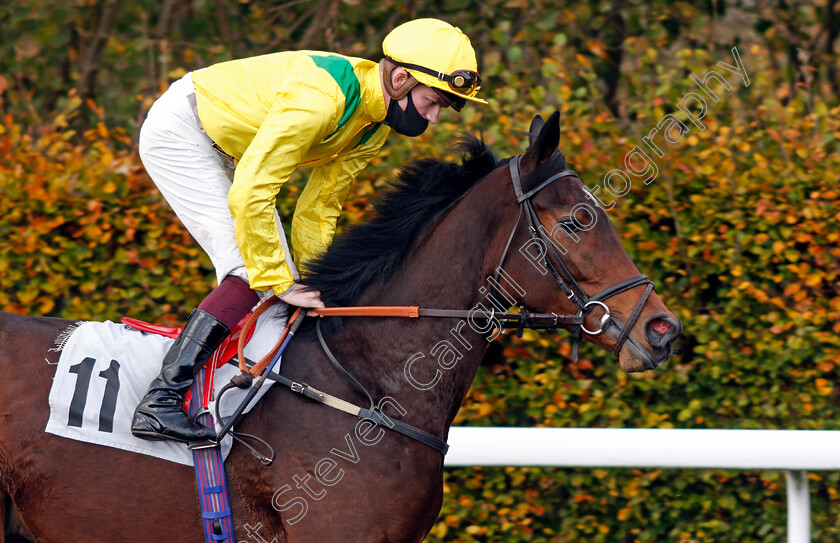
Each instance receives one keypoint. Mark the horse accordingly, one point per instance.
(448, 235)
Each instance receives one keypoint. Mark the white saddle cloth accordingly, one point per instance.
(105, 369)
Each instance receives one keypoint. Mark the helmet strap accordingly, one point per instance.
(386, 66)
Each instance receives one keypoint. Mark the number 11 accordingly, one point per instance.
(84, 369)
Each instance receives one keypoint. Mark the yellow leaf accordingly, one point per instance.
(814, 280)
(792, 289)
(47, 305)
(27, 296)
(824, 386)
(177, 73)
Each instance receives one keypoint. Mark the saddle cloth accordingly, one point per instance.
(105, 369)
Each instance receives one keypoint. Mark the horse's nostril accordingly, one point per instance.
(661, 330)
(661, 326)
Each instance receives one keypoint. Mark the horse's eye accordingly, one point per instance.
(571, 226)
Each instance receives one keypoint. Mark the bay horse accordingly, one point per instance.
(442, 235)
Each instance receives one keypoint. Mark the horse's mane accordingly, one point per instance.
(367, 254)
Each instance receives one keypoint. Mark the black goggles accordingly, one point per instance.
(452, 100)
(461, 81)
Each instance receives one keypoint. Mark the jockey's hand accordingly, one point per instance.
(299, 296)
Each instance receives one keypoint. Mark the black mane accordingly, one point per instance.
(368, 253)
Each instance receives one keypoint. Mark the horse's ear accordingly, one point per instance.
(544, 137)
(534, 131)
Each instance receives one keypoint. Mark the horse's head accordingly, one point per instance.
(567, 258)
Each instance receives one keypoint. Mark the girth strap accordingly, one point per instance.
(210, 475)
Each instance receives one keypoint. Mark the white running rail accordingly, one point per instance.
(793, 451)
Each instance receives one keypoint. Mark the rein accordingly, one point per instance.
(520, 321)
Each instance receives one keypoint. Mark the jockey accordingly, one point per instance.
(220, 143)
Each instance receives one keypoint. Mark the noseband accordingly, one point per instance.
(562, 276)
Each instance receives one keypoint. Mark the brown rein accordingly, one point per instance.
(258, 368)
(520, 321)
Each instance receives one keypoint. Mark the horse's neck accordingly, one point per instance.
(427, 365)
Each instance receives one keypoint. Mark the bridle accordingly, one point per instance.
(520, 321)
(576, 323)
(561, 273)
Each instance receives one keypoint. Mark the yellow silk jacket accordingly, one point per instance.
(275, 112)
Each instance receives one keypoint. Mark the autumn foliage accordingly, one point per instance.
(738, 230)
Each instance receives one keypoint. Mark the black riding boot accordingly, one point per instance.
(160, 414)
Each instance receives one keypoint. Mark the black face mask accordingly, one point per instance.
(409, 122)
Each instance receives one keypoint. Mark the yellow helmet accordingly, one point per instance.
(437, 54)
